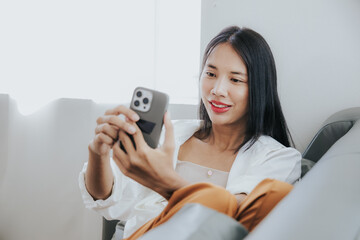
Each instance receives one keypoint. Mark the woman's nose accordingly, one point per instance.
(220, 88)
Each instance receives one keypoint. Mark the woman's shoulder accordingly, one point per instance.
(268, 144)
(183, 129)
(185, 123)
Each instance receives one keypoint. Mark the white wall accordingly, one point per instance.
(98, 50)
(316, 45)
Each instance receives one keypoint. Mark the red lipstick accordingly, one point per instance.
(220, 107)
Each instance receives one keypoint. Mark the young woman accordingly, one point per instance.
(240, 141)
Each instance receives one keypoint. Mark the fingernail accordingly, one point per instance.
(131, 129)
(135, 117)
(168, 115)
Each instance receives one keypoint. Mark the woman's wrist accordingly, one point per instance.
(175, 182)
(99, 177)
(94, 156)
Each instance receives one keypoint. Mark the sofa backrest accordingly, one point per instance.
(333, 129)
(325, 204)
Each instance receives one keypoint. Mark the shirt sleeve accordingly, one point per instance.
(125, 194)
(282, 164)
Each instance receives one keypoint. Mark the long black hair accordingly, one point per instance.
(265, 116)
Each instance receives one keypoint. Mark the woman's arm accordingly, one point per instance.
(268, 161)
(99, 178)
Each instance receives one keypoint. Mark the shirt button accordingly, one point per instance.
(209, 173)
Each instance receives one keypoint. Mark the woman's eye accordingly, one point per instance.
(210, 74)
(236, 80)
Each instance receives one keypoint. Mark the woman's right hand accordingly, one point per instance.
(108, 127)
(99, 178)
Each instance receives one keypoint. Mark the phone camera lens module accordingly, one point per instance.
(139, 94)
(136, 103)
(145, 100)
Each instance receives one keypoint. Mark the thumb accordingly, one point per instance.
(169, 142)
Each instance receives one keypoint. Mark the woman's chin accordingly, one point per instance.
(219, 120)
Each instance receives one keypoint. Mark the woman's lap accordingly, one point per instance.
(250, 212)
(265, 196)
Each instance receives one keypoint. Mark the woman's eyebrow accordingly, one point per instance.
(239, 73)
(213, 67)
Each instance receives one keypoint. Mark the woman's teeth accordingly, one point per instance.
(219, 106)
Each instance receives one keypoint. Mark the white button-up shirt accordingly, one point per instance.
(136, 204)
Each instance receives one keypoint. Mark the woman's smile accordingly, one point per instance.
(219, 107)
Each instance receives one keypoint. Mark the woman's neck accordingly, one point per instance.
(226, 137)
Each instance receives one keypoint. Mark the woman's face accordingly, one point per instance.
(224, 86)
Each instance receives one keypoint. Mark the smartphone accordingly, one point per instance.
(151, 106)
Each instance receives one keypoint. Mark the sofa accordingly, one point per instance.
(324, 204)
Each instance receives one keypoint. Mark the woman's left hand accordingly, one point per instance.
(150, 167)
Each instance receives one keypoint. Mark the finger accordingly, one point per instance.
(117, 122)
(121, 109)
(139, 137)
(169, 142)
(126, 141)
(103, 138)
(121, 158)
(110, 130)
